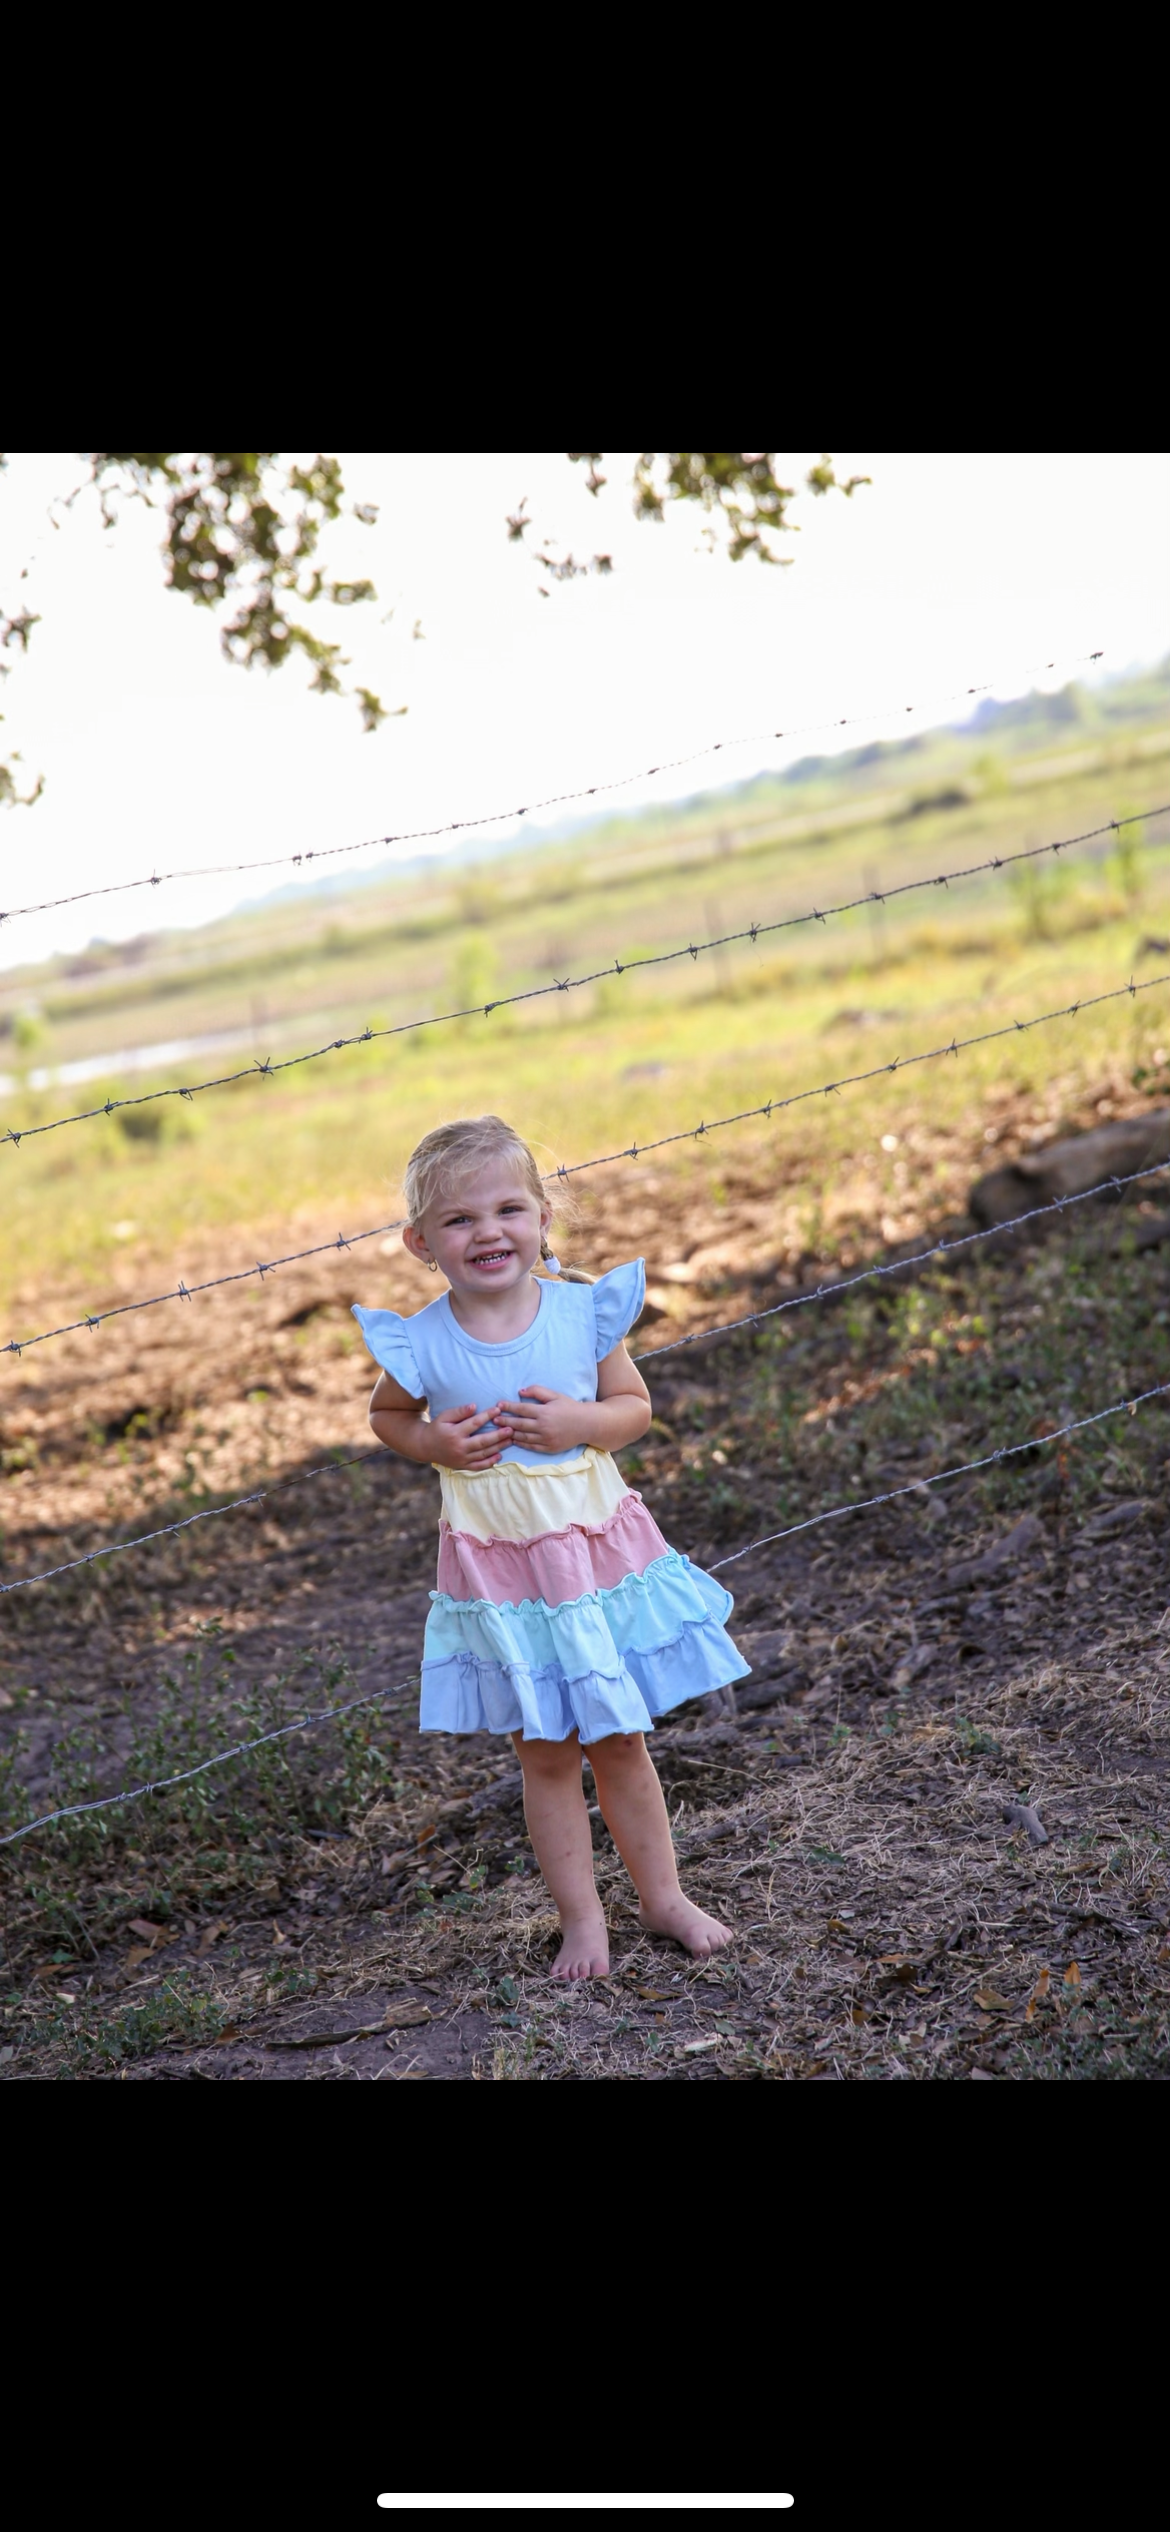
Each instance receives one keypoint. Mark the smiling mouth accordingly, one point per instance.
(492, 1257)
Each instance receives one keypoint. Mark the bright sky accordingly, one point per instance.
(948, 572)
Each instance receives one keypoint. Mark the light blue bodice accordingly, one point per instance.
(575, 1327)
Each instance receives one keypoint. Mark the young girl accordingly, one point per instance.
(562, 1616)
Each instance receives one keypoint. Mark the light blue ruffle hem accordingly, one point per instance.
(608, 1662)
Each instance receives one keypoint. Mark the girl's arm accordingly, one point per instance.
(455, 1439)
(542, 1420)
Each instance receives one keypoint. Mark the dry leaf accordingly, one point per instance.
(402, 2017)
(991, 2002)
(277, 1936)
(1038, 1995)
(211, 1934)
(1072, 1975)
(149, 1933)
(394, 1863)
(691, 2048)
(858, 2014)
(138, 1952)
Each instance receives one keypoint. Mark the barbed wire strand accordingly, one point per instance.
(1010, 1450)
(222, 1758)
(727, 1327)
(214, 1512)
(824, 1090)
(694, 950)
(187, 1292)
(941, 1248)
(835, 1512)
(552, 800)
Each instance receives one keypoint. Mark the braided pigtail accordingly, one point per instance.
(565, 1274)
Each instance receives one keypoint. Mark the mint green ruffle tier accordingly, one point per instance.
(608, 1662)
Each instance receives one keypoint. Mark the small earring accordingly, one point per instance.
(432, 1265)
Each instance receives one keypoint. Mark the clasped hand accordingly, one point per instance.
(472, 1438)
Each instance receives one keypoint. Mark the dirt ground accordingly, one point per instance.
(361, 1902)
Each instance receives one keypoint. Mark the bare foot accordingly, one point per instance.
(584, 1951)
(679, 1917)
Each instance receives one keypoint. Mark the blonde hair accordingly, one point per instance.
(453, 1152)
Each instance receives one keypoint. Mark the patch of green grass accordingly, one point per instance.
(974, 1743)
(179, 2013)
(219, 1830)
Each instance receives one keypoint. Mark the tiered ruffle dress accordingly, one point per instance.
(560, 1608)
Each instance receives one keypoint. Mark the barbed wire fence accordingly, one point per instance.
(221, 1758)
(903, 1265)
(940, 1249)
(604, 1160)
(551, 800)
(771, 1538)
(270, 1067)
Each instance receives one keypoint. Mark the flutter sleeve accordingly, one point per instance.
(617, 1302)
(385, 1334)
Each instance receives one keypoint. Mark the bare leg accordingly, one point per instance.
(558, 1825)
(635, 1814)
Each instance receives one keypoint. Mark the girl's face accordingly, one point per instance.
(485, 1235)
